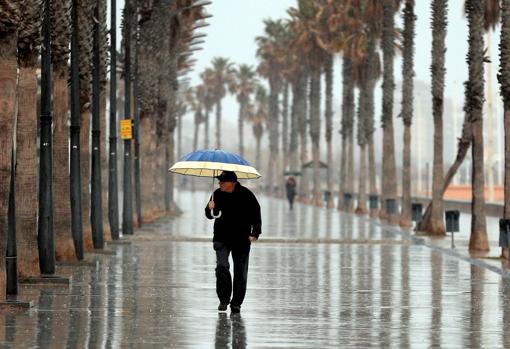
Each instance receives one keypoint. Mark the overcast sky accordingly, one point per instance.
(236, 23)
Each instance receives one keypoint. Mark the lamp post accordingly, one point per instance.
(96, 213)
(127, 203)
(45, 226)
(113, 192)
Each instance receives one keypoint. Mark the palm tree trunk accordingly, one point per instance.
(206, 130)
(389, 171)
(240, 126)
(315, 90)
(439, 13)
(369, 119)
(341, 187)
(405, 218)
(362, 184)
(272, 178)
(304, 189)
(285, 127)
(146, 157)
(407, 110)
(257, 155)
(328, 75)
(478, 240)
(350, 170)
(26, 176)
(8, 75)
(218, 124)
(85, 178)
(293, 142)
(347, 129)
(372, 189)
(507, 167)
(64, 246)
(504, 81)
(104, 161)
(195, 134)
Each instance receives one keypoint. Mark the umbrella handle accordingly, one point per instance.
(215, 216)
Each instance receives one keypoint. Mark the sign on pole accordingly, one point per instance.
(126, 131)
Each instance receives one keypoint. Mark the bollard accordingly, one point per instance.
(391, 206)
(452, 223)
(374, 201)
(504, 232)
(327, 195)
(347, 200)
(417, 210)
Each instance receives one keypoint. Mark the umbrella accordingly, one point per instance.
(211, 162)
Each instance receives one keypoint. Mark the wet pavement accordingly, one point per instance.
(317, 279)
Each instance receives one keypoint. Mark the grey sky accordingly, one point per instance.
(236, 23)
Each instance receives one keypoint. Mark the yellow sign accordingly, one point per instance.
(126, 131)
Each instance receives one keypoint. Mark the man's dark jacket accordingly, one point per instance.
(240, 216)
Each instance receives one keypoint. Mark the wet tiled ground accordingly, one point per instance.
(317, 279)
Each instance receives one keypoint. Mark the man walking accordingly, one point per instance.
(237, 225)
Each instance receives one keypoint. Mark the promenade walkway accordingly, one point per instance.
(318, 279)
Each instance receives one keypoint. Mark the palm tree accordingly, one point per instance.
(26, 149)
(504, 81)
(244, 85)
(103, 76)
(85, 15)
(435, 225)
(222, 76)
(207, 101)
(258, 117)
(269, 52)
(475, 11)
(61, 35)
(10, 16)
(407, 109)
(389, 172)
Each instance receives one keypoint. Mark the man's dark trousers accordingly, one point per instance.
(240, 256)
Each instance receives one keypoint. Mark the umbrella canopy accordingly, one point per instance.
(210, 163)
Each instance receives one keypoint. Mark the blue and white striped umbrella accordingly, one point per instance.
(210, 163)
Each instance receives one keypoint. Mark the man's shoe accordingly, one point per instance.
(235, 308)
(222, 307)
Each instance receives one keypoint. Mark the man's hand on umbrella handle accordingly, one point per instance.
(252, 238)
(211, 205)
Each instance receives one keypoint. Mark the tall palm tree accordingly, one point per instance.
(61, 35)
(407, 108)
(478, 240)
(346, 162)
(258, 118)
(504, 81)
(26, 149)
(269, 52)
(243, 86)
(207, 101)
(103, 76)
(10, 17)
(85, 16)
(389, 171)
(435, 225)
(222, 76)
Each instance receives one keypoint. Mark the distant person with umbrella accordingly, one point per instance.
(237, 217)
(237, 225)
(290, 188)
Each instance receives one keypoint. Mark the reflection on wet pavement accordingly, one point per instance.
(159, 293)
